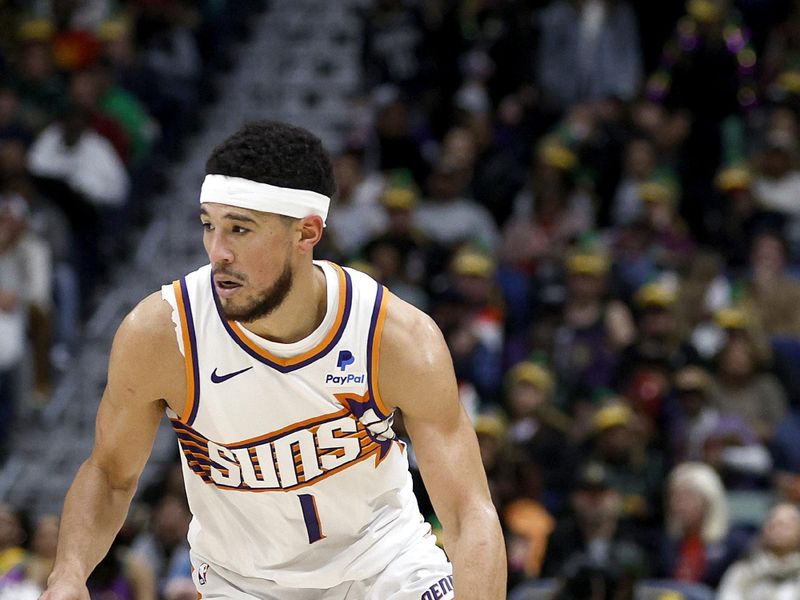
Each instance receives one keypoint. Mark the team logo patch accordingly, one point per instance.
(289, 458)
(344, 360)
(202, 574)
(350, 378)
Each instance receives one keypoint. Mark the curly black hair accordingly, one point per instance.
(275, 153)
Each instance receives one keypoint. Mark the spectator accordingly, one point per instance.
(396, 145)
(691, 418)
(698, 432)
(392, 44)
(703, 290)
(743, 388)
(699, 544)
(80, 172)
(358, 216)
(12, 126)
(84, 93)
(550, 213)
(778, 182)
(647, 365)
(448, 217)
(117, 103)
(594, 328)
(33, 572)
(592, 543)
(740, 216)
(172, 65)
(773, 569)
(639, 166)
(671, 243)
(164, 548)
(122, 576)
(476, 341)
(421, 260)
(634, 471)
(493, 160)
(597, 41)
(771, 294)
(25, 297)
(12, 538)
(538, 430)
(69, 151)
(40, 87)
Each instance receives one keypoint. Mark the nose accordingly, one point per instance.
(217, 249)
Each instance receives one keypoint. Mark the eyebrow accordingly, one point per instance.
(233, 216)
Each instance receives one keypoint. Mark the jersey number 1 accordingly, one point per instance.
(310, 515)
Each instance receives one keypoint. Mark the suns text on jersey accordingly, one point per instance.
(289, 458)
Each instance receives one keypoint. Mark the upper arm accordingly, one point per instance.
(145, 370)
(416, 376)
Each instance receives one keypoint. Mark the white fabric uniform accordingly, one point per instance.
(292, 471)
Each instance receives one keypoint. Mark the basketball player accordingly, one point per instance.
(281, 375)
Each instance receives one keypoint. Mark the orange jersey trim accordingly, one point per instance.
(189, 353)
(338, 323)
(375, 344)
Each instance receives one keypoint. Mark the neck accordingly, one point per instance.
(300, 313)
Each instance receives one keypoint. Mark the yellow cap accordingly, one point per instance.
(612, 415)
(490, 424)
(402, 198)
(790, 81)
(587, 264)
(530, 372)
(113, 29)
(734, 178)
(704, 11)
(658, 190)
(731, 318)
(470, 262)
(35, 30)
(655, 294)
(554, 154)
(692, 378)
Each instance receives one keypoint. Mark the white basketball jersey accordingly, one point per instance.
(292, 470)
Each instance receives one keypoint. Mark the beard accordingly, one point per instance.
(266, 302)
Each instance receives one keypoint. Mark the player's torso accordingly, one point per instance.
(287, 448)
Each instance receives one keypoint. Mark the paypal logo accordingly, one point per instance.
(345, 359)
(344, 379)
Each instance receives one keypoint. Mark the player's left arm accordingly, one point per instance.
(416, 376)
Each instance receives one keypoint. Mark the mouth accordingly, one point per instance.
(226, 287)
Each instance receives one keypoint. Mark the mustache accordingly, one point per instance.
(229, 272)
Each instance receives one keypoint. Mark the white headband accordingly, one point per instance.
(244, 193)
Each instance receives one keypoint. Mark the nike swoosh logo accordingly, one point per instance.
(220, 378)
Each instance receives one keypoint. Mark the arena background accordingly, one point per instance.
(597, 200)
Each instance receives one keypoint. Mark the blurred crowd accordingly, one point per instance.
(97, 98)
(598, 201)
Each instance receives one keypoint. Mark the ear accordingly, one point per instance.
(310, 230)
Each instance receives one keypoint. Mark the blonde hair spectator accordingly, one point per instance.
(703, 480)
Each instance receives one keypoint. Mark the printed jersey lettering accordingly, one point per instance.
(441, 589)
(290, 458)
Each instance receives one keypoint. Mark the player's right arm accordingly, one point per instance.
(145, 372)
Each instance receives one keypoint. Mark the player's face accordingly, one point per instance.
(250, 254)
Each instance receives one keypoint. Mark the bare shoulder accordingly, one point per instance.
(150, 321)
(410, 336)
(145, 354)
(414, 359)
